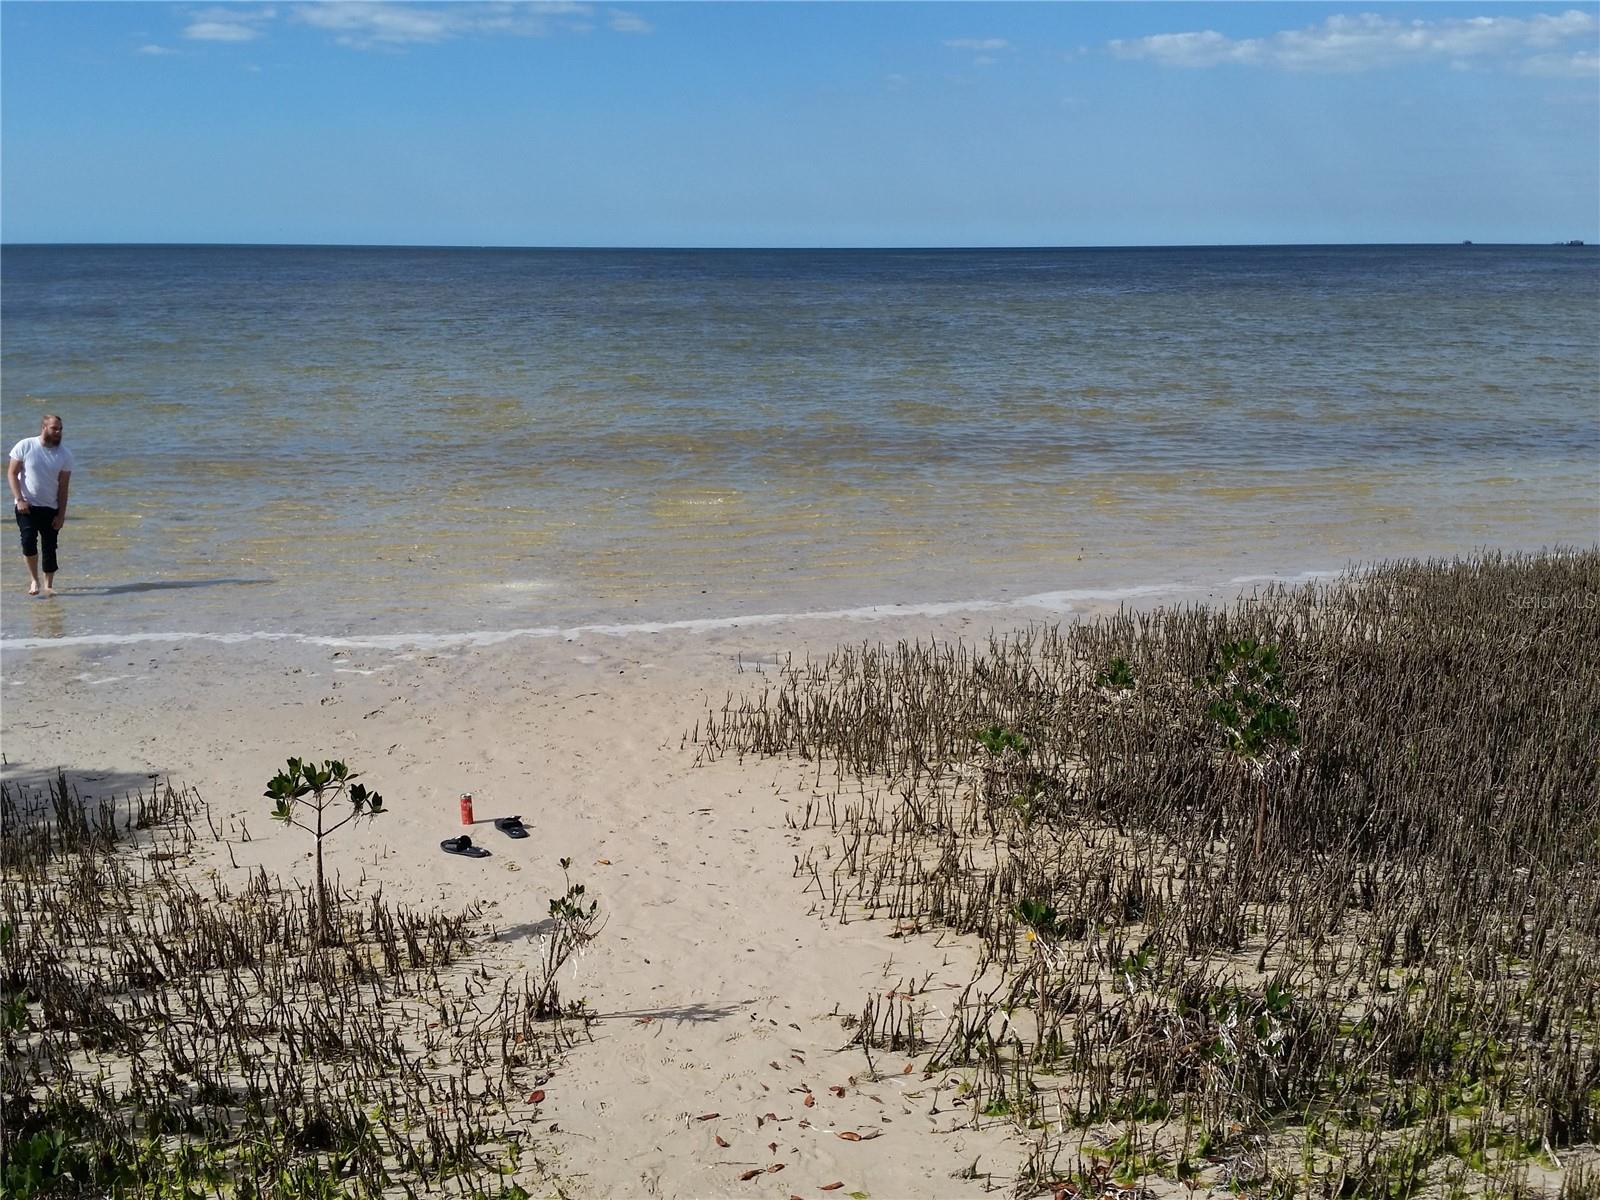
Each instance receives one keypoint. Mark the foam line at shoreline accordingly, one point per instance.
(1289, 580)
(1057, 602)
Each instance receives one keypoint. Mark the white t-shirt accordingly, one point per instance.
(41, 470)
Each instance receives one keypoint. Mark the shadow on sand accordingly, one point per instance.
(123, 589)
(22, 776)
(525, 931)
(676, 1012)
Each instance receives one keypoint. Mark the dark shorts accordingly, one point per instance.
(36, 526)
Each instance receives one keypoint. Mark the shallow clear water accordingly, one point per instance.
(389, 441)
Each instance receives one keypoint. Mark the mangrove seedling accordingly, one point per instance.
(1251, 706)
(1117, 676)
(303, 795)
(1041, 919)
(997, 739)
(1250, 703)
(574, 924)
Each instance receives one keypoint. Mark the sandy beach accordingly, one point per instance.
(718, 1051)
(718, 982)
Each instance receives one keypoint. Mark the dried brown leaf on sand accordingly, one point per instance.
(846, 1135)
(809, 1100)
(775, 1168)
(832, 1187)
(836, 1090)
(720, 1142)
(708, 1116)
(751, 1174)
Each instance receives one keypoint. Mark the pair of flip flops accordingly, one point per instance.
(512, 827)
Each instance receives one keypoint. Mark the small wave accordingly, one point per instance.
(526, 585)
(1059, 602)
(1303, 577)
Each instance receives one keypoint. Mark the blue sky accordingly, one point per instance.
(799, 124)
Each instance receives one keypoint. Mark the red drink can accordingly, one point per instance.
(466, 808)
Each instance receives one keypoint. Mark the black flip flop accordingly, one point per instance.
(511, 827)
(463, 845)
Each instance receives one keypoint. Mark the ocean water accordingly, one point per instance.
(382, 443)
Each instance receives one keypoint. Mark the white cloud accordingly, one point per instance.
(622, 22)
(985, 60)
(220, 31)
(993, 43)
(153, 49)
(369, 23)
(227, 24)
(1581, 64)
(1368, 41)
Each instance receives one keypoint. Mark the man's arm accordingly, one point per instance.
(14, 479)
(61, 501)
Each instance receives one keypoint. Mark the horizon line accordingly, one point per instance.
(1569, 243)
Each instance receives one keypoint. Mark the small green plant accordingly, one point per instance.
(574, 925)
(42, 1163)
(1251, 706)
(1118, 675)
(1135, 967)
(1029, 806)
(1000, 1106)
(304, 792)
(569, 910)
(1250, 702)
(1040, 919)
(13, 1003)
(997, 740)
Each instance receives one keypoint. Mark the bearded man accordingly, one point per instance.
(38, 473)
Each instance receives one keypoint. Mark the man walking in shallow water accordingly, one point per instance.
(38, 473)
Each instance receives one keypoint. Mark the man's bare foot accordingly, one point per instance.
(49, 591)
(33, 588)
